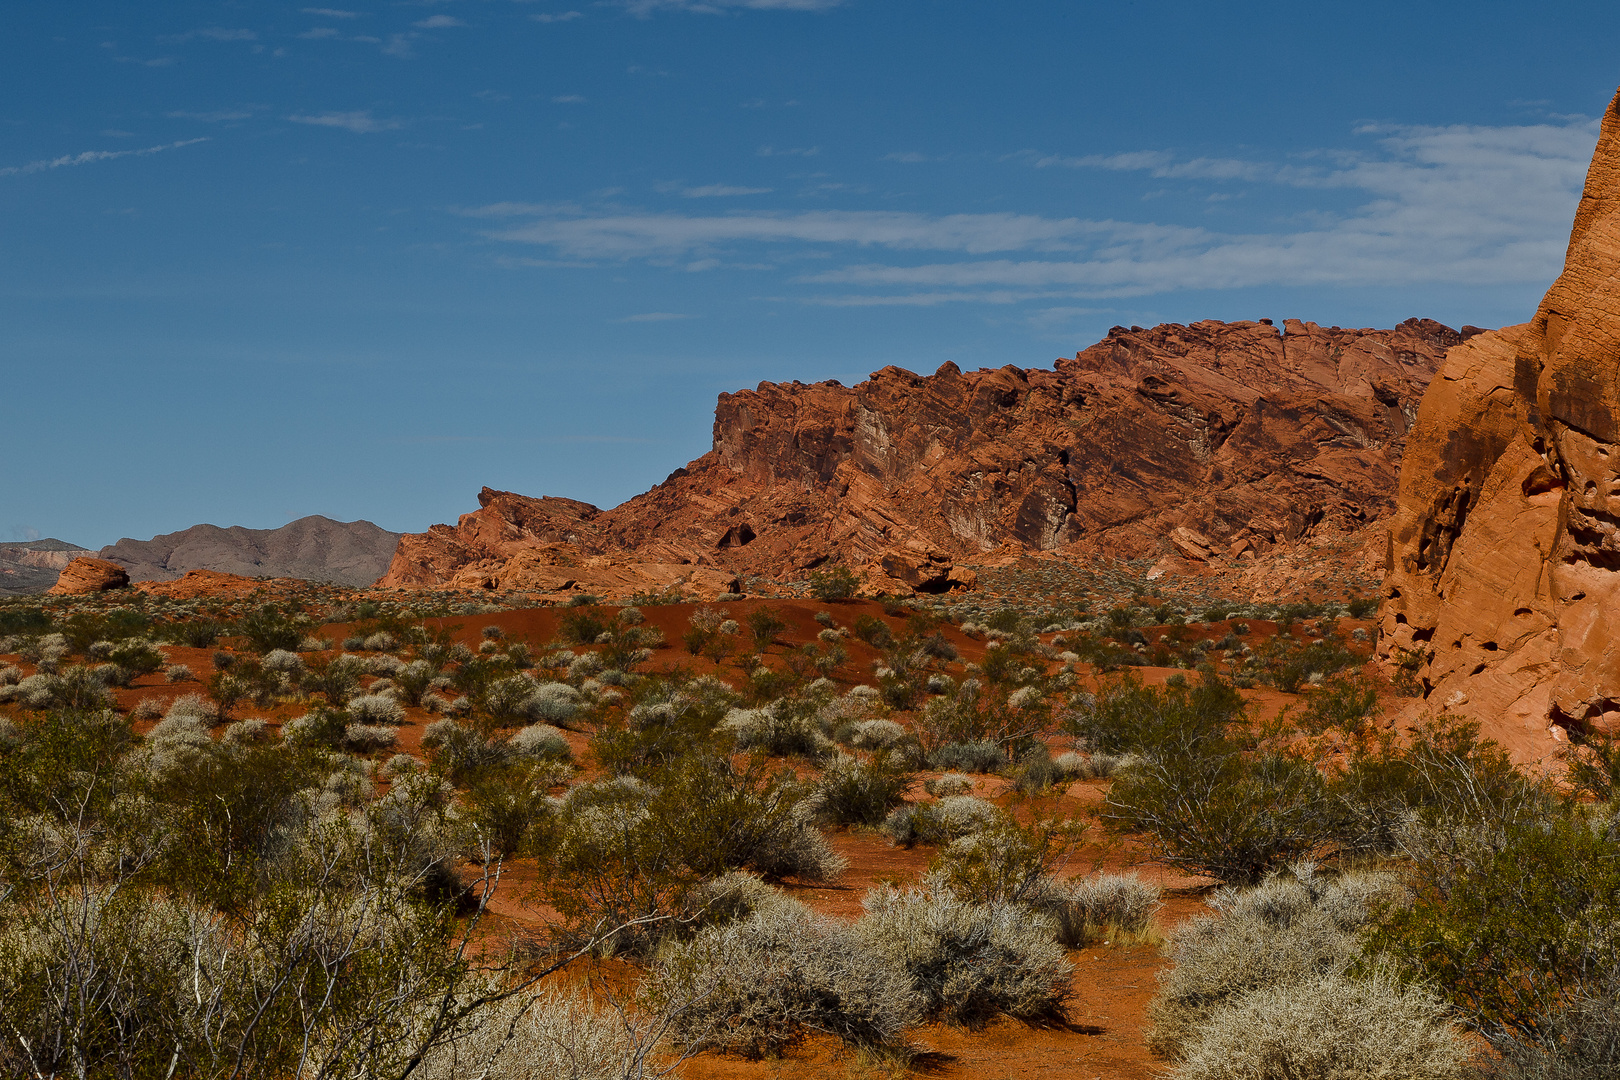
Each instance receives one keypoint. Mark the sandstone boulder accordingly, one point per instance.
(88, 575)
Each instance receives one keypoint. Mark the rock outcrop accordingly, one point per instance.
(1206, 441)
(314, 548)
(1504, 558)
(32, 566)
(88, 575)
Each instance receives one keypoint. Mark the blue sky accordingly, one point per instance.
(263, 260)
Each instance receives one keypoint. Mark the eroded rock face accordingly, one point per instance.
(1202, 440)
(87, 575)
(1504, 557)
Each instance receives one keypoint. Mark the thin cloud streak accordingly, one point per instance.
(1460, 205)
(90, 156)
(360, 122)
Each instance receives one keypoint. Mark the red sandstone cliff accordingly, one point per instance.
(1214, 437)
(1504, 556)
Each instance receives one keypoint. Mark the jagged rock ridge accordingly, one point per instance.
(314, 548)
(1196, 440)
(1505, 553)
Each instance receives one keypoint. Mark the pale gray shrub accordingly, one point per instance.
(283, 662)
(875, 734)
(1086, 909)
(555, 703)
(10, 675)
(941, 822)
(10, 733)
(193, 705)
(9, 693)
(37, 691)
(435, 703)
(760, 983)
(461, 747)
(1289, 929)
(492, 633)
(313, 644)
(951, 783)
(558, 1036)
(776, 729)
(246, 732)
(584, 665)
(178, 673)
(731, 896)
(400, 765)
(969, 962)
(1329, 1027)
(368, 738)
(353, 643)
(381, 641)
(540, 741)
(148, 708)
(376, 709)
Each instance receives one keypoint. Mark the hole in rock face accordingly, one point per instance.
(1488, 646)
(1590, 489)
(737, 536)
(935, 586)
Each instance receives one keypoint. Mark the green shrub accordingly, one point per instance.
(583, 624)
(969, 757)
(833, 583)
(852, 791)
(1126, 717)
(873, 630)
(1581, 1042)
(1343, 703)
(270, 627)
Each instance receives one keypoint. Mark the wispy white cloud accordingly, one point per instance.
(218, 116)
(788, 151)
(655, 316)
(1459, 205)
(557, 16)
(212, 33)
(438, 22)
(90, 156)
(907, 157)
(360, 122)
(399, 46)
(331, 13)
(319, 32)
(644, 8)
(716, 191)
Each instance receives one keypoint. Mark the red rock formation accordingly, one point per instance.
(1504, 556)
(1202, 440)
(87, 575)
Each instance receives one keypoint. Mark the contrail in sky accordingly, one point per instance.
(90, 155)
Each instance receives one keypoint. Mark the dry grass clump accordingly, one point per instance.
(952, 783)
(376, 709)
(1100, 907)
(1328, 1027)
(540, 741)
(193, 705)
(951, 818)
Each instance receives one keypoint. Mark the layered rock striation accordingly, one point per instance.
(1504, 556)
(1202, 441)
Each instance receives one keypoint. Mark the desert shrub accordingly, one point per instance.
(10, 674)
(367, 738)
(875, 734)
(727, 898)
(193, 705)
(540, 741)
(779, 728)
(269, 627)
(283, 661)
(1290, 929)
(873, 630)
(582, 625)
(379, 641)
(1287, 665)
(414, 679)
(765, 624)
(1220, 812)
(506, 805)
(1343, 703)
(376, 709)
(74, 689)
(175, 673)
(136, 656)
(1329, 1027)
(1511, 922)
(1099, 906)
(968, 963)
(246, 733)
(852, 791)
(560, 1035)
(1004, 860)
(337, 678)
(950, 818)
(833, 583)
(759, 984)
(1442, 771)
(951, 783)
(1129, 717)
(1580, 1042)
(462, 750)
(972, 757)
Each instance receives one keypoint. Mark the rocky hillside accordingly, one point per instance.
(32, 566)
(1505, 555)
(314, 548)
(1215, 439)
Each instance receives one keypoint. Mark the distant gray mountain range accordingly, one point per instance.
(315, 548)
(31, 566)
